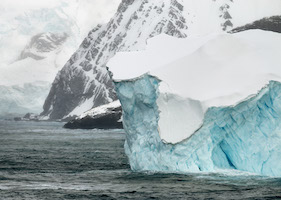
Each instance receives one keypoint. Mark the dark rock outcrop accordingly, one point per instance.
(110, 119)
(41, 44)
(268, 24)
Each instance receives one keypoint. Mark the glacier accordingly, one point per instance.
(215, 108)
(17, 100)
(36, 40)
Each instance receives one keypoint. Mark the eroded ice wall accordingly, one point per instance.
(244, 137)
(206, 111)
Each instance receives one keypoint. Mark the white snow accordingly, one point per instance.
(202, 15)
(175, 112)
(100, 109)
(20, 21)
(151, 58)
(85, 105)
(221, 71)
(19, 100)
(30, 70)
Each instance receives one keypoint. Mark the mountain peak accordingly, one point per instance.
(84, 81)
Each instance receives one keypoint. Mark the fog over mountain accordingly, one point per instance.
(36, 40)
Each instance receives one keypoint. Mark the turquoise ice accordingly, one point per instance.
(245, 137)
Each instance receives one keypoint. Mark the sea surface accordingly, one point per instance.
(41, 160)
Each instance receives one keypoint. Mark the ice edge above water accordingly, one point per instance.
(243, 137)
(205, 111)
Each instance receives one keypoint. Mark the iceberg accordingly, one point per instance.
(214, 106)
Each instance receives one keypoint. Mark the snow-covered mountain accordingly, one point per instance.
(42, 44)
(84, 82)
(25, 83)
(21, 20)
(17, 100)
(36, 40)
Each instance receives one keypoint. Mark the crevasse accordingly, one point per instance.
(244, 137)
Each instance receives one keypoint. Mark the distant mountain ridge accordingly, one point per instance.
(36, 40)
(268, 24)
(43, 43)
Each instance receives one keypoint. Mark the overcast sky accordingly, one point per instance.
(99, 11)
(86, 14)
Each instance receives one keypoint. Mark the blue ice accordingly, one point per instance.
(245, 137)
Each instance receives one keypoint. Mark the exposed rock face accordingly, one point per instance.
(28, 117)
(84, 82)
(268, 24)
(225, 15)
(41, 44)
(103, 117)
(108, 121)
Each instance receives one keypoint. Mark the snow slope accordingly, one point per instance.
(36, 40)
(101, 109)
(204, 111)
(40, 60)
(210, 16)
(17, 100)
(20, 21)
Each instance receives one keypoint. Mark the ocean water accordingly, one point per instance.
(40, 160)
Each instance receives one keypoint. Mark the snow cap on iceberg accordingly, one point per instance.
(203, 72)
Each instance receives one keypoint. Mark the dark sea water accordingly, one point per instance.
(44, 161)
